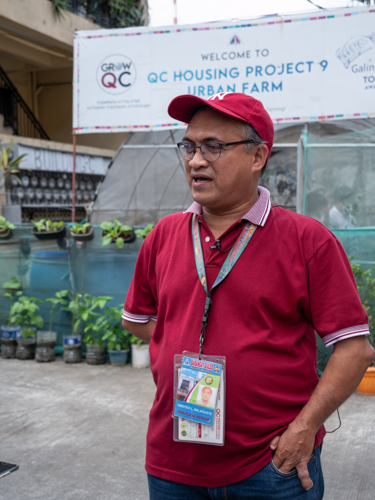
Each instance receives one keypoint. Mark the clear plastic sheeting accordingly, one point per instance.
(340, 179)
(144, 183)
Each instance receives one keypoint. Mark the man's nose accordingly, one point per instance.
(198, 159)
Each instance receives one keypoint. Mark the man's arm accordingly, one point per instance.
(344, 371)
(141, 330)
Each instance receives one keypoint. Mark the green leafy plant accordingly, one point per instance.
(115, 231)
(12, 285)
(5, 225)
(59, 8)
(61, 298)
(85, 308)
(24, 313)
(366, 287)
(113, 332)
(142, 233)
(78, 228)
(47, 226)
(135, 340)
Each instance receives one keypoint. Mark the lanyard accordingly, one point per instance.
(240, 245)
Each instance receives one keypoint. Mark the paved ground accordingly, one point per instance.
(78, 432)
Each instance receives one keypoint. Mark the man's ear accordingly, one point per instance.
(260, 152)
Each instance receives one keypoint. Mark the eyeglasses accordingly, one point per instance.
(211, 151)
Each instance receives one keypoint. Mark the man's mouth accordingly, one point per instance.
(201, 180)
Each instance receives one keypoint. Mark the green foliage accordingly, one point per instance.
(366, 287)
(10, 167)
(78, 228)
(135, 340)
(120, 13)
(115, 231)
(24, 313)
(5, 225)
(113, 332)
(85, 308)
(142, 233)
(59, 7)
(47, 226)
(12, 284)
(61, 298)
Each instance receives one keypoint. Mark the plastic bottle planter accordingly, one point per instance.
(118, 358)
(8, 341)
(45, 343)
(72, 349)
(140, 356)
(25, 346)
(95, 354)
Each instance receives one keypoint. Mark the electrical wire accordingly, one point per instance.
(319, 7)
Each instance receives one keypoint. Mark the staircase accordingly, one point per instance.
(17, 116)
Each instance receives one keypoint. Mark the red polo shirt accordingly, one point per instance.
(292, 278)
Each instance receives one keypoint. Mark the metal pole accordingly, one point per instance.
(299, 191)
(74, 179)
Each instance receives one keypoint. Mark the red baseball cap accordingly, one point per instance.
(240, 106)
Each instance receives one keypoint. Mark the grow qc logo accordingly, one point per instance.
(116, 74)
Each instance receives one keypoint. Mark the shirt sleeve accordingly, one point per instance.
(336, 309)
(140, 304)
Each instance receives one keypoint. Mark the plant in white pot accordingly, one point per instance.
(24, 312)
(140, 353)
(9, 332)
(46, 339)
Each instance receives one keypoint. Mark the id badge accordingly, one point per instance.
(199, 398)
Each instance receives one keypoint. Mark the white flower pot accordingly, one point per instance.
(140, 356)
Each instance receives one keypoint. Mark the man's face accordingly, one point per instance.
(228, 182)
(206, 394)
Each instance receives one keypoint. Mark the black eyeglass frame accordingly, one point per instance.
(220, 144)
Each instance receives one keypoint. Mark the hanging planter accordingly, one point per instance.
(5, 229)
(72, 349)
(47, 230)
(117, 233)
(82, 232)
(367, 385)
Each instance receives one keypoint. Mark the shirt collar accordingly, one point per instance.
(258, 213)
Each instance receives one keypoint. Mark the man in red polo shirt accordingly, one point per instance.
(287, 276)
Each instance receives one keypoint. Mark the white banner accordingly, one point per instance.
(305, 67)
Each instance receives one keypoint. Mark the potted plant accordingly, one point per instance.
(9, 332)
(5, 228)
(116, 336)
(140, 353)
(85, 308)
(142, 233)
(48, 230)
(46, 339)
(24, 313)
(82, 232)
(366, 287)
(115, 232)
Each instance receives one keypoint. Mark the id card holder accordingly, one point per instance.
(199, 398)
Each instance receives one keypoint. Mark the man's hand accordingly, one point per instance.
(294, 449)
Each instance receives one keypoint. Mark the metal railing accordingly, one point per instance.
(17, 115)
